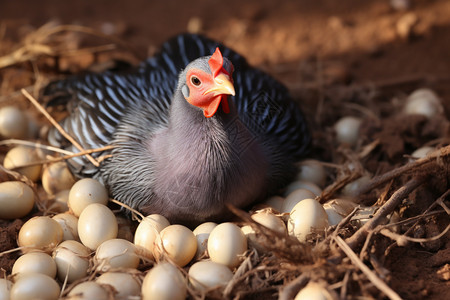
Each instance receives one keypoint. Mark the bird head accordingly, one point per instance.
(208, 83)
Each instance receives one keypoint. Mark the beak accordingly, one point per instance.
(223, 86)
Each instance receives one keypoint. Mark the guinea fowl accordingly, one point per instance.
(191, 131)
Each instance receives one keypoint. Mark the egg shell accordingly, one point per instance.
(41, 233)
(125, 285)
(208, 274)
(313, 171)
(422, 152)
(270, 221)
(13, 123)
(302, 184)
(178, 242)
(164, 282)
(16, 199)
(34, 262)
(146, 233)
(96, 224)
(72, 260)
(5, 289)
(201, 233)
(341, 206)
(69, 225)
(88, 290)
(19, 156)
(313, 291)
(226, 244)
(295, 197)
(35, 286)
(352, 189)
(424, 102)
(307, 217)
(347, 130)
(333, 217)
(57, 177)
(85, 192)
(116, 253)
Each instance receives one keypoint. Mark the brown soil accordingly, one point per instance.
(337, 58)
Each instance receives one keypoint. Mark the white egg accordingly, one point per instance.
(208, 274)
(146, 233)
(352, 189)
(226, 244)
(178, 242)
(313, 171)
(16, 199)
(88, 290)
(313, 291)
(307, 217)
(333, 217)
(69, 225)
(96, 224)
(5, 289)
(201, 233)
(270, 220)
(267, 219)
(301, 184)
(164, 282)
(125, 285)
(275, 202)
(116, 253)
(34, 262)
(84, 192)
(295, 197)
(424, 102)
(347, 130)
(422, 152)
(35, 286)
(337, 209)
(72, 260)
(13, 123)
(57, 177)
(20, 156)
(42, 233)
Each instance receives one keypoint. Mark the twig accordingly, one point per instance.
(401, 238)
(288, 292)
(34, 145)
(57, 126)
(384, 210)
(129, 208)
(66, 157)
(380, 284)
(378, 180)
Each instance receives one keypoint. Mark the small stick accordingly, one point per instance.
(290, 290)
(378, 180)
(387, 208)
(380, 284)
(34, 145)
(400, 239)
(60, 129)
(65, 157)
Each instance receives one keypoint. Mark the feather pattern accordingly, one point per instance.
(252, 148)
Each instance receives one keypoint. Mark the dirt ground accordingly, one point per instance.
(337, 58)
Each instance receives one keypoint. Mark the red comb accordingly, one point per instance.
(216, 63)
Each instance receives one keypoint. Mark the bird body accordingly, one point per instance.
(191, 131)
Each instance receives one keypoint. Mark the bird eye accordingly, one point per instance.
(195, 81)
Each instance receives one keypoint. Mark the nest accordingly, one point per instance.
(352, 260)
